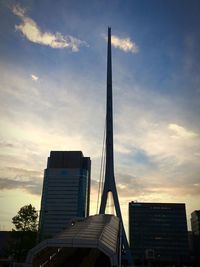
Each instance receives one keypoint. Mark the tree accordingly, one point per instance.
(25, 235)
(26, 219)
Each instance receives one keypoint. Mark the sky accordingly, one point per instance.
(53, 95)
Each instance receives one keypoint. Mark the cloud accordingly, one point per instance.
(19, 11)
(129, 186)
(29, 180)
(33, 33)
(148, 125)
(5, 144)
(124, 44)
(23, 173)
(181, 131)
(34, 77)
(32, 186)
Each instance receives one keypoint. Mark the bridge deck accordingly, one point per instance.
(92, 241)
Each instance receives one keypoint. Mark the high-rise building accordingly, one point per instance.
(66, 191)
(195, 222)
(158, 233)
(195, 225)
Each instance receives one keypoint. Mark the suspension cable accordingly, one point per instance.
(102, 169)
(104, 165)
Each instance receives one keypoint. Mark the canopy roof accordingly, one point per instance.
(94, 239)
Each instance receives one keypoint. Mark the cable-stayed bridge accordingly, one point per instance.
(98, 240)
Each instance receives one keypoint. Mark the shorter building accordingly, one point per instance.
(66, 191)
(158, 233)
(195, 225)
(195, 222)
(14, 246)
(5, 241)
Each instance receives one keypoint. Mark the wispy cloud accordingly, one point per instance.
(19, 11)
(4, 144)
(148, 125)
(125, 44)
(33, 33)
(129, 185)
(29, 180)
(30, 186)
(181, 131)
(34, 77)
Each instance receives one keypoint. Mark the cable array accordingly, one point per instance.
(102, 169)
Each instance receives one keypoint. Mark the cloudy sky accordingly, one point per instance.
(53, 88)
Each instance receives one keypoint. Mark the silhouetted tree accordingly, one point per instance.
(25, 235)
(26, 219)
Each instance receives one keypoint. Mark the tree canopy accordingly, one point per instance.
(26, 219)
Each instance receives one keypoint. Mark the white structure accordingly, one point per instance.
(93, 241)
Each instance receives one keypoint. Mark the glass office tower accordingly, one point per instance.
(66, 191)
(158, 233)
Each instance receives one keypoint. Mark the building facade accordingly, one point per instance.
(195, 222)
(158, 233)
(66, 191)
(195, 225)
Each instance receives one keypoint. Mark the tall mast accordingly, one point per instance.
(109, 184)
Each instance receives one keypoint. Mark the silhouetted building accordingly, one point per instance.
(195, 222)
(158, 233)
(195, 225)
(191, 246)
(66, 191)
(5, 240)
